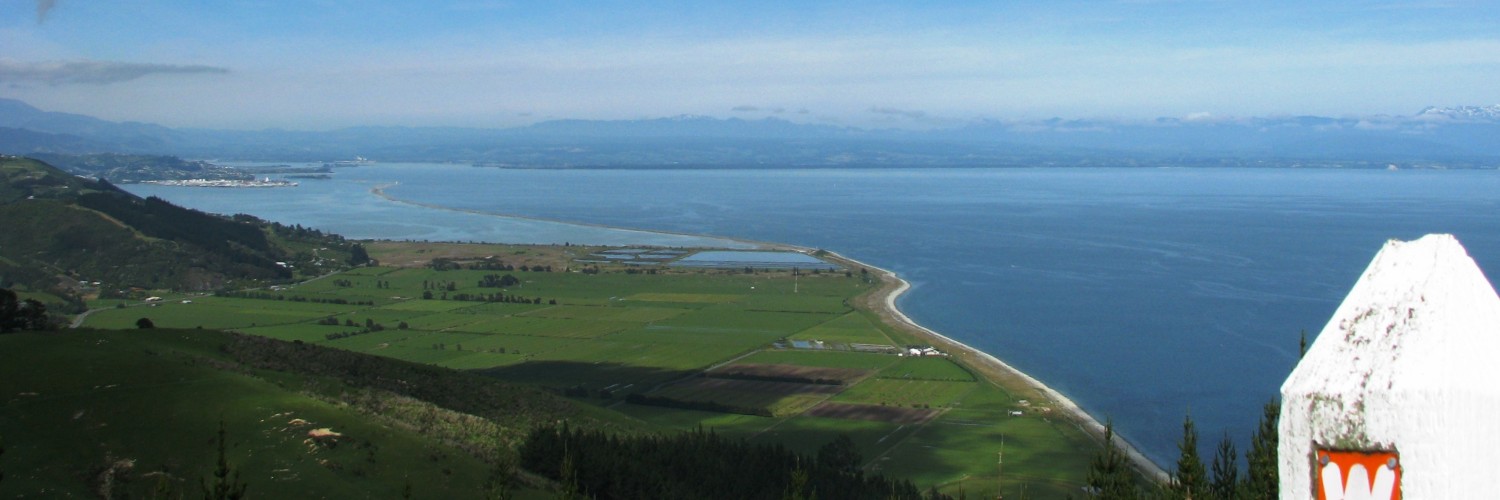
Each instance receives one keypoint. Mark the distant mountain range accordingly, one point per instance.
(1453, 137)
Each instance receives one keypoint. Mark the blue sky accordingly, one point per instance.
(314, 64)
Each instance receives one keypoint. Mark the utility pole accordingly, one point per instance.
(999, 467)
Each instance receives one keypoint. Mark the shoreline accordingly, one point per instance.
(882, 302)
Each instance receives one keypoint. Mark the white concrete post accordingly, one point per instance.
(1400, 393)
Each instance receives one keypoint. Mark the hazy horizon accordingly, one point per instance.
(326, 65)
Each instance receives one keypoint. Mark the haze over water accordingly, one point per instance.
(1143, 294)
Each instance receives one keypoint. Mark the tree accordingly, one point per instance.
(840, 455)
(144, 323)
(501, 483)
(1262, 481)
(1226, 471)
(15, 314)
(227, 484)
(357, 255)
(1190, 482)
(1109, 475)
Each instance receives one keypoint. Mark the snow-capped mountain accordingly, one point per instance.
(1467, 113)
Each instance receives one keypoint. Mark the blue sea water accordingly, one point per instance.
(1143, 294)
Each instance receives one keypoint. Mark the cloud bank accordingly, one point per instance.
(91, 72)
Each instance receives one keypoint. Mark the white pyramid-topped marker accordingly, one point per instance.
(1409, 363)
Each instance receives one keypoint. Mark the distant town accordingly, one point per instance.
(225, 183)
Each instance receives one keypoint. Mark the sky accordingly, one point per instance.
(324, 64)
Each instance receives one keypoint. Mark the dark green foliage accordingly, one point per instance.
(840, 456)
(698, 464)
(244, 245)
(357, 255)
(25, 314)
(1302, 345)
(1190, 481)
(496, 281)
(226, 483)
(61, 225)
(1262, 481)
(1109, 476)
(144, 323)
(501, 484)
(1226, 471)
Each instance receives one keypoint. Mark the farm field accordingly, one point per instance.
(677, 348)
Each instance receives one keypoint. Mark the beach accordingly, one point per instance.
(882, 301)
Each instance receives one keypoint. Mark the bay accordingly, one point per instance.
(1143, 294)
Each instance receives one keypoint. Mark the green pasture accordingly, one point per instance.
(926, 368)
(495, 308)
(851, 328)
(541, 326)
(211, 314)
(823, 358)
(733, 424)
(962, 446)
(431, 306)
(806, 434)
(907, 393)
(798, 302)
(780, 398)
(731, 318)
(684, 298)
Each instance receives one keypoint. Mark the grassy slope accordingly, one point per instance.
(78, 401)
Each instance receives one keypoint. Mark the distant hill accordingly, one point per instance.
(1455, 136)
(64, 232)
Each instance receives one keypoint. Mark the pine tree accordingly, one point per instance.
(1226, 470)
(501, 483)
(1109, 475)
(1262, 479)
(227, 484)
(1190, 482)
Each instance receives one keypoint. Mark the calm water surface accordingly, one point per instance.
(1143, 294)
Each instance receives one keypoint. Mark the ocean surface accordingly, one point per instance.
(1143, 294)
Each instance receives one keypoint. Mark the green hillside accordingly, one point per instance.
(64, 233)
(128, 411)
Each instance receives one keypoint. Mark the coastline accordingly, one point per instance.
(882, 302)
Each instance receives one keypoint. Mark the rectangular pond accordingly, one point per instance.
(727, 259)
